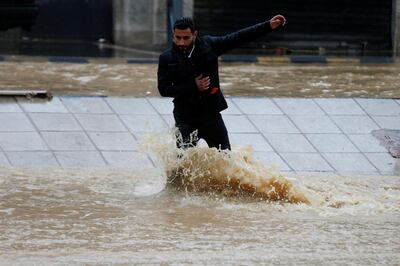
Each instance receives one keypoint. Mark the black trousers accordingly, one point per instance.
(210, 128)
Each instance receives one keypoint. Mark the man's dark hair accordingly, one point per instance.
(184, 23)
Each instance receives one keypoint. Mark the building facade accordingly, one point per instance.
(342, 27)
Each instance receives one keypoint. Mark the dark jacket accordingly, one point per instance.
(176, 72)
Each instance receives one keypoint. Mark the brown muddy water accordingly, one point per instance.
(277, 80)
(215, 208)
(128, 217)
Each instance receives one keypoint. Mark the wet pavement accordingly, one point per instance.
(299, 135)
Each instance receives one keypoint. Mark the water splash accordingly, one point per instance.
(238, 174)
(95, 216)
(230, 173)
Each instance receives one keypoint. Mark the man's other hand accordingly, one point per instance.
(203, 83)
(277, 21)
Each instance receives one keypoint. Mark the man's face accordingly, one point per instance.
(184, 38)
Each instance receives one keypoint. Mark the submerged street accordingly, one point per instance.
(76, 188)
(108, 77)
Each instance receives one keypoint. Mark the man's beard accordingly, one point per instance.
(185, 48)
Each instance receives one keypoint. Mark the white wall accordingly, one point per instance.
(140, 23)
(143, 23)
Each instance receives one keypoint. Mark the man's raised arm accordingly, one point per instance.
(225, 43)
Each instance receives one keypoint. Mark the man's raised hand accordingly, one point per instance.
(277, 21)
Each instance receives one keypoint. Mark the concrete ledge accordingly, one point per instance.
(67, 59)
(105, 60)
(342, 60)
(376, 60)
(273, 60)
(239, 58)
(306, 59)
(44, 94)
(142, 61)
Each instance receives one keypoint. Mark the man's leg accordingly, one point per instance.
(185, 136)
(214, 132)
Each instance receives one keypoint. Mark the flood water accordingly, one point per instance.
(127, 216)
(276, 80)
(99, 217)
(223, 209)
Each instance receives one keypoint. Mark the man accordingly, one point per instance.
(188, 72)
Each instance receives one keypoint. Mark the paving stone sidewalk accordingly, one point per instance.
(299, 135)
